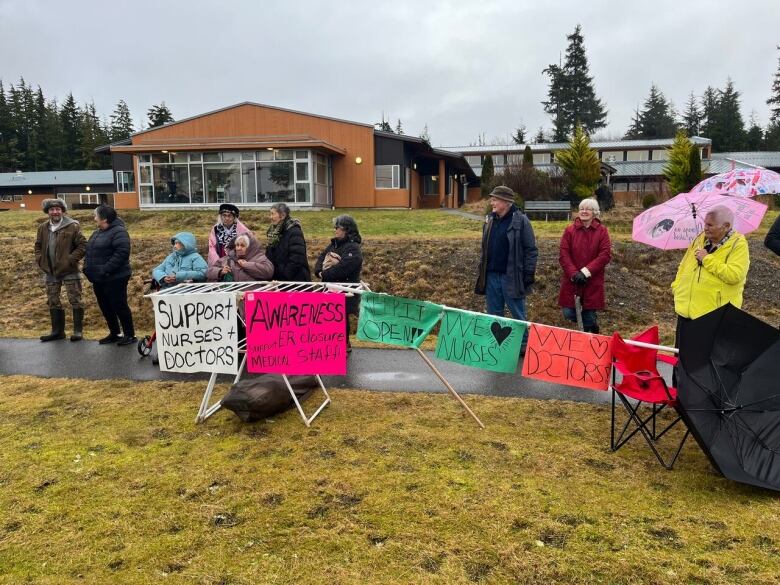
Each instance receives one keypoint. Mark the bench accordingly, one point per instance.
(548, 207)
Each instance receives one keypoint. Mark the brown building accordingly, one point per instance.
(79, 189)
(255, 155)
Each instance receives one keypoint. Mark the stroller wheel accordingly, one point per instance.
(145, 346)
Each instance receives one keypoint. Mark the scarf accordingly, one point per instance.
(274, 232)
(712, 246)
(225, 235)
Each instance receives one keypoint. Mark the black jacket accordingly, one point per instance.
(347, 270)
(772, 240)
(108, 253)
(289, 256)
(521, 264)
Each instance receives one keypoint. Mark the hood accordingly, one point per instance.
(252, 250)
(65, 221)
(188, 241)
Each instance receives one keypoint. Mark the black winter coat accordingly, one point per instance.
(108, 253)
(347, 270)
(521, 263)
(289, 256)
(772, 240)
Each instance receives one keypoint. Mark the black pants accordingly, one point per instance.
(112, 300)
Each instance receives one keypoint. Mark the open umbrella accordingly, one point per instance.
(728, 389)
(741, 183)
(675, 223)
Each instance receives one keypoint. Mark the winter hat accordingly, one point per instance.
(47, 203)
(229, 207)
(504, 193)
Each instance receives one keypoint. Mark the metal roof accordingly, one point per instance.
(759, 159)
(547, 147)
(24, 179)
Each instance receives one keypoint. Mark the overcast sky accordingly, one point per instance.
(463, 68)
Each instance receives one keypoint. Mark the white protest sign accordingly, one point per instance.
(197, 332)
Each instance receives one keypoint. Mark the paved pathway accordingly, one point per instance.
(382, 370)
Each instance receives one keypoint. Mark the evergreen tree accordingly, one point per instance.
(52, 131)
(71, 134)
(528, 157)
(692, 116)
(774, 100)
(486, 178)
(540, 138)
(93, 134)
(384, 125)
(571, 97)
(709, 106)
(159, 115)
(519, 136)
(121, 126)
(694, 165)
(580, 164)
(399, 129)
(425, 135)
(754, 138)
(656, 120)
(9, 153)
(677, 170)
(772, 136)
(727, 129)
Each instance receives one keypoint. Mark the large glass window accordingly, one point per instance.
(388, 176)
(124, 181)
(223, 183)
(275, 182)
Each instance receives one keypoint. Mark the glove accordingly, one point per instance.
(579, 278)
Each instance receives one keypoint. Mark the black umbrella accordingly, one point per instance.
(729, 393)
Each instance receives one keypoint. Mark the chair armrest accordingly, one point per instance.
(667, 359)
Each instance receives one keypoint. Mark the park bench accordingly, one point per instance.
(547, 207)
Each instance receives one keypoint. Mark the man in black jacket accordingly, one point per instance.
(508, 261)
(772, 240)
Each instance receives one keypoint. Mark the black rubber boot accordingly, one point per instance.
(592, 329)
(57, 325)
(78, 324)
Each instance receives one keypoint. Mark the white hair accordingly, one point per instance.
(592, 204)
(244, 239)
(722, 215)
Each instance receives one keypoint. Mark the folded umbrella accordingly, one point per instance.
(728, 391)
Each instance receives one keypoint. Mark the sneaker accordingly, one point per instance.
(110, 338)
(125, 340)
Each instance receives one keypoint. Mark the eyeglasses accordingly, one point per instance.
(337, 227)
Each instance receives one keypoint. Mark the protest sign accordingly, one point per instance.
(395, 320)
(296, 333)
(197, 332)
(568, 357)
(480, 341)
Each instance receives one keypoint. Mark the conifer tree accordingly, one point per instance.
(709, 106)
(425, 135)
(121, 126)
(540, 138)
(727, 129)
(486, 178)
(694, 173)
(571, 98)
(754, 138)
(519, 136)
(677, 170)
(384, 125)
(656, 120)
(692, 116)
(93, 134)
(9, 153)
(580, 164)
(528, 157)
(399, 129)
(71, 134)
(159, 115)
(774, 100)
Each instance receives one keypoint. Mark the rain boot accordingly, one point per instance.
(57, 325)
(78, 322)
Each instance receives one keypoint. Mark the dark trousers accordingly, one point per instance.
(677, 331)
(112, 299)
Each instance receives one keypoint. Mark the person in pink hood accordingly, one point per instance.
(227, 229)
(245, 261)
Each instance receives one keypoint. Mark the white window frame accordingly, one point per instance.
(89, 198)
(124, 179)
(394, 178)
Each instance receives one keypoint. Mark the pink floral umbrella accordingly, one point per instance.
(674, 224)
(741, 183)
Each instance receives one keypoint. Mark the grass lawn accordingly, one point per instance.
(112, 482)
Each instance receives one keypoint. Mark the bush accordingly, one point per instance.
(649, 200)
(531, 184)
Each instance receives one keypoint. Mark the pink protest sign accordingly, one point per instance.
(296, 333)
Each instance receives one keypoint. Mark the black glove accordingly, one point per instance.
(579, 278)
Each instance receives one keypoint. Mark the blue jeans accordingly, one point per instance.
(589, 318)
(496, 298)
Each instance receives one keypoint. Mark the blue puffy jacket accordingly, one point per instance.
(186, 263)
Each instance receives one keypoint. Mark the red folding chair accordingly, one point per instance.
(641, 384)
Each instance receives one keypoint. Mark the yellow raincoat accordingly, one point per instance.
(719, 279)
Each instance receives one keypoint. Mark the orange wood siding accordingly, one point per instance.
(353, 184)
(474, 194)
(127, 200)
(391, 197)
(32, 202)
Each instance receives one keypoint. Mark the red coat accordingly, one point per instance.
(589, 248)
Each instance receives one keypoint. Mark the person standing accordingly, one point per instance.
(107, 267)
(59, 246)
(584, 253)
(286, 247)
(772, 240)
(507, 265)
(342, 261)
(227, 228)
(713, 270)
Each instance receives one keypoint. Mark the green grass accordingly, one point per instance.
(112, 482)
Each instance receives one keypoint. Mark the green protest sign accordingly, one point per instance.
(395, 320)
(480, 341)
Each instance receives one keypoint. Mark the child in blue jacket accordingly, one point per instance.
(184, 264)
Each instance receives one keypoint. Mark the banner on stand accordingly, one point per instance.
(480, 341)
(563, 356)
(296, 333)
(396, 320)
(197, 332)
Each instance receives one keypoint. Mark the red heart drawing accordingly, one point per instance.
(599, 345)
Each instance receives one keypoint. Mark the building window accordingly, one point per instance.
(388, 176)
(124, 181)
(637, 155)
(474, 160)
(89, 198)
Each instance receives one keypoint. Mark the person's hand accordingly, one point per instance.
(579, 278)
(170, 278)
(700, 254)
(241, 262)
(225, 270)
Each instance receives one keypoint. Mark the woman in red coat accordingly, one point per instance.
(585, 253)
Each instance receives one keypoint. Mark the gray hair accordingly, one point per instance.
(242, 238)
(592, 204)
(281, 209)
(722, 215)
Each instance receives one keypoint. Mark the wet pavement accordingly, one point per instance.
(382, 370)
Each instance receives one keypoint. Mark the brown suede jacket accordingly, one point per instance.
(70, 248)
